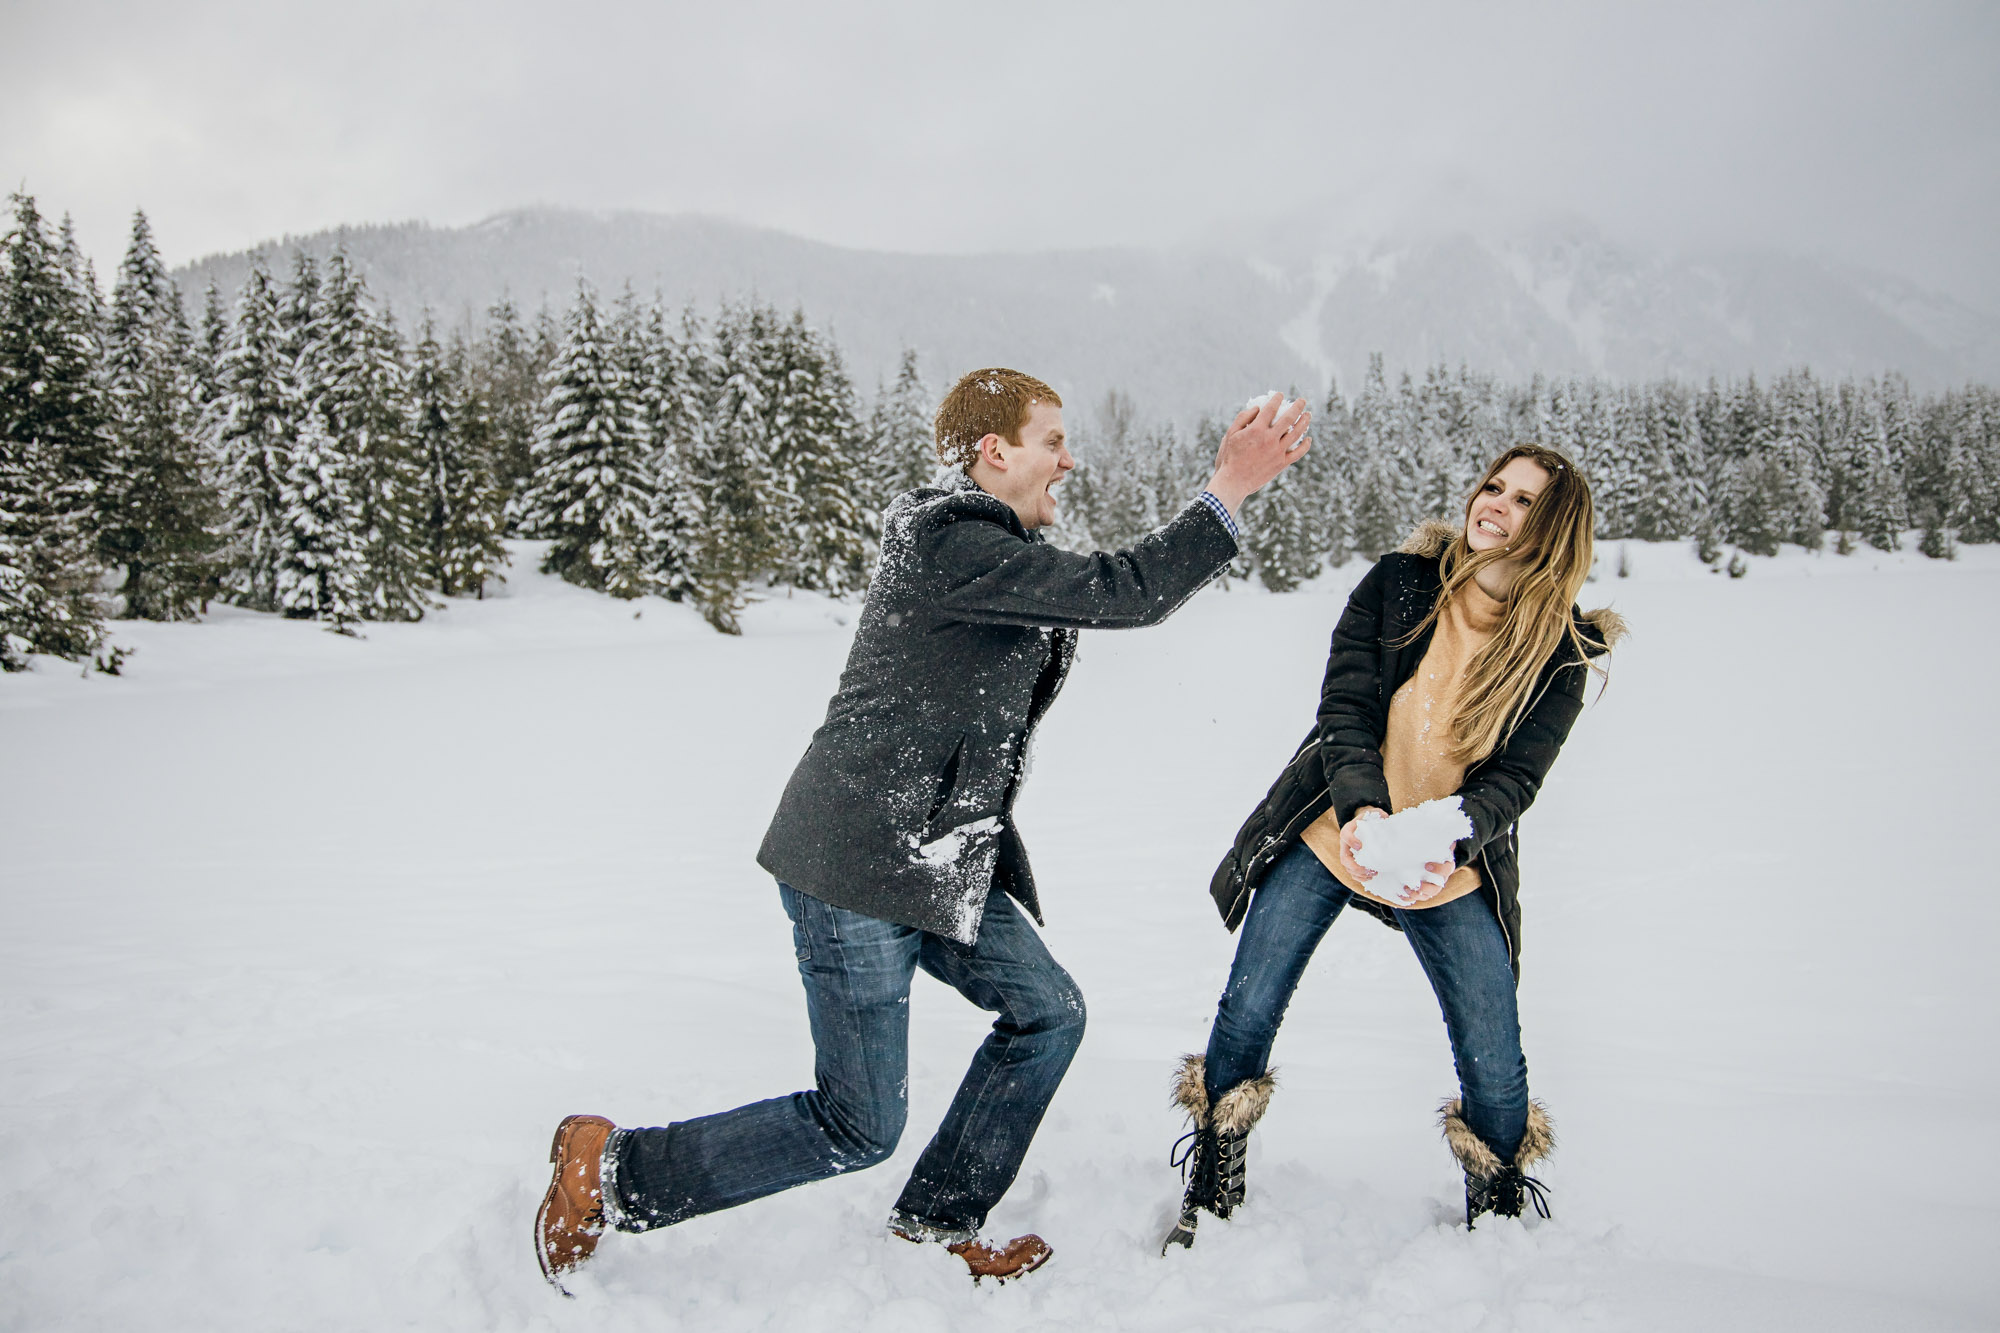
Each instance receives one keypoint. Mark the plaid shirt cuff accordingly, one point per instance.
(1221, 511)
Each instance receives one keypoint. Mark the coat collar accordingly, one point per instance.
(952, 484)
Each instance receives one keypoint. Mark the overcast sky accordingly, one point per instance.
(1865, 132)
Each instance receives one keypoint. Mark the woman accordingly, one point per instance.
(1457, 669)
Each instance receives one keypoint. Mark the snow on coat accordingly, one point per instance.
(902, 806)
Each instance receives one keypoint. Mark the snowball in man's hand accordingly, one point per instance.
(1257, 401)
(1398, 846)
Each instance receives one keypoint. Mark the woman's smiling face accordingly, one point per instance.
(1502, 505)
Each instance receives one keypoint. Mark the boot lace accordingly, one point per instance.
(1183, 1152)
(1536, 1192)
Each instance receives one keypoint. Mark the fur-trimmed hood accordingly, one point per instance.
(1602, 629)
(1429, 538)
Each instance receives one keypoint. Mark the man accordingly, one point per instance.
(896, 827)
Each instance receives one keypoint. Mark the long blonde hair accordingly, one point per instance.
(1554, 551)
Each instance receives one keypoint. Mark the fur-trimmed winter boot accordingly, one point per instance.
(1492, 1186)
(1213, 1155)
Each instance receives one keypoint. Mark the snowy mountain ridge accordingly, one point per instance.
(1183, 331)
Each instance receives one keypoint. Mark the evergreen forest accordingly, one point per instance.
(295, 450)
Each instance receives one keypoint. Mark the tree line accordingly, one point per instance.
(1726, 463)
(298, 453)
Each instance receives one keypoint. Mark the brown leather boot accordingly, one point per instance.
(572, 1213)
(1021, 1256)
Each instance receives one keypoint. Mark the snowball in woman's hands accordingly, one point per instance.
(1397, 847)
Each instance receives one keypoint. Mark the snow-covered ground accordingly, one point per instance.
(309, 942)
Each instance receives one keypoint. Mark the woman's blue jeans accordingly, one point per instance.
(857, 971)
(1461, 948)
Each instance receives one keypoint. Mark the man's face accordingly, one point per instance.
(1024, 474)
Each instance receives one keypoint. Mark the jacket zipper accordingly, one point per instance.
(1492, 879)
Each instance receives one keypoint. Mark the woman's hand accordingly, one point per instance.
(1437, 872)
(1350, 842)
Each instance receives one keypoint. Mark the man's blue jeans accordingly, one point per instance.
(1463, 952)
(857, 971)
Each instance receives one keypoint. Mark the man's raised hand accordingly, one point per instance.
(1262, 442)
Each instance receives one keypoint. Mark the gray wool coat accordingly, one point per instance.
(902, 807)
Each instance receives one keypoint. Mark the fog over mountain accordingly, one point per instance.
(1193, 330)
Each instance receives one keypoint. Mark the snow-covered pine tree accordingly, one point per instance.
(1596, 426)
(93, 453)
(1667, 499)
(675, 413)
(163, 503)
(299, 318)
(1524, 414)
(1181, 462)
(1878, 498)
(1839, 482)
(210, 344)
(358, 390)
(487, 558)
(508, 381)
(591, 493)
(1712, 424)
(1899, 419)
(1687, 451)
(1289, 527)
(83, 277)
(1283, 537)
(1332, 463)
(1616, 459)
(1378, 509)
(1381, 514)
(738, 485)
(1562, 423)
(1435, 416)
(1477, 430)
(1799, 445)
(20, 598)
(322, 568)
(1936, 479)
(53, 450)
(1413, 452)
(1756, 499)
(1123, 505)
(902, 436)
(818, 455)
(548, 339)
(1976, 419)
(448, 433)
(255, 421)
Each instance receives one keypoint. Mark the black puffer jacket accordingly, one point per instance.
(902, 807)
(1339, 764)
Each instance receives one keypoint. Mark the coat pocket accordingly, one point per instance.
(947, 783)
